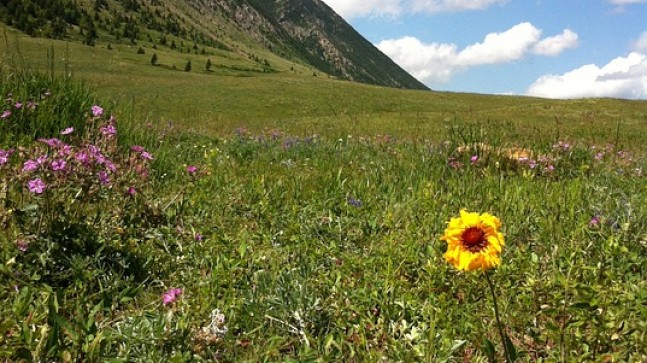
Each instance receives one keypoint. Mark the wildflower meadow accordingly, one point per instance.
(123, 241)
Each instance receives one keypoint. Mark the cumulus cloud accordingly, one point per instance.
(438, 62)
(361, 8)
(497, 48)
(555, 45)
(640, 45)
(352, 8)
(623, 77)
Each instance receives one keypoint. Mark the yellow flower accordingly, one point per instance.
(473, 241)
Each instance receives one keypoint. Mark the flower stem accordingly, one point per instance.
(498, 320)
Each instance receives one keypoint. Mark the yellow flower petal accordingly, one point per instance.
(473, 250)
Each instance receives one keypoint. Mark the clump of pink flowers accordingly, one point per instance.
(171, 295)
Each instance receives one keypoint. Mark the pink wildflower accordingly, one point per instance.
(22, 245)
(5, 114)
(103, 178)
(146, 155)
(108, 130)
(97, 111)
(4, 156)
(191, 169)
(67, 131)
(594, 222)
(474, 159)
(171, 295)
(29, 165)
(58, 165)
(18, 105)
(36, 186)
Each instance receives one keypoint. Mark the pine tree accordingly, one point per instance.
(208, 66)
(187, 68)
(154, 59)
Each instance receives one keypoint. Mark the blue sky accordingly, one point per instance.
(545, 48)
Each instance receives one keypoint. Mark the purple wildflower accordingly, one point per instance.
(29, 165)
(532, 163)
(22, 245)
(198, 237)
(41, 159)
(81, 157)
(53, 142)
(5, 114)
(67, 131)
(146, 155)
(474, 159)
(191, 169)
(594, 222)
(58, 165)
(108, 130)
(131, 191)
(18, 105)
(354, 202)
(171, 295)
(36, 186)
(599, 156)
(4, 156)
(137, 148)
(97, 111)
(110, 166)
(103, 177)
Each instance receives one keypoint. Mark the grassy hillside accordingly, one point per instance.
(305, 32)
(234, 95)
(292, 218)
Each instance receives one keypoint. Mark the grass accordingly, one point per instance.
(216, 103)
(312, 225)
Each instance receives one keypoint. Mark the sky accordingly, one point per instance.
(547, 48)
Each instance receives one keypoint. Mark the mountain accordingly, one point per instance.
(305, 32)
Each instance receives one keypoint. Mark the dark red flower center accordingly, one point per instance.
(474, 239)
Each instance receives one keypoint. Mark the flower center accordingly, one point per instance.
(474, 239)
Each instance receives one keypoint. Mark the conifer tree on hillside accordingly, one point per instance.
(187, 68)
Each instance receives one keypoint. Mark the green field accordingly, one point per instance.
(216, 103)
(310, 229)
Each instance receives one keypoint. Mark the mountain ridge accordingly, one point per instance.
(306, 32)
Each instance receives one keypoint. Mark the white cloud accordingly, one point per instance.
(438, 62)
(362, 8)
(640, 45)
(427, 62)
(623, 77)
(498, 48)
(354, 8)
(553, 46)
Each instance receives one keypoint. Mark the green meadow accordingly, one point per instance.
(247, 215)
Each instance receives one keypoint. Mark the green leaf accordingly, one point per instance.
(29, 208)
(512, 351)
(488, 349)
(458, 344)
